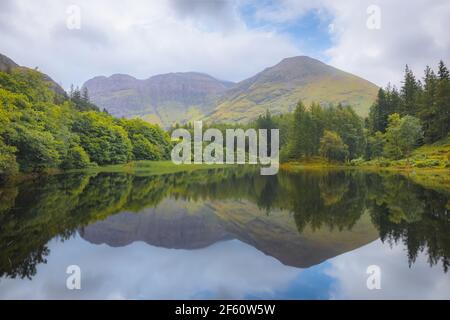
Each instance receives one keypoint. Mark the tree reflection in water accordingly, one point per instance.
(34, 212)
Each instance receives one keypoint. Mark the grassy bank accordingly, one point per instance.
(431, 178)
(149, 168)
(433, 156)
(428, 165)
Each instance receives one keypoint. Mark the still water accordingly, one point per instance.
(224, 234)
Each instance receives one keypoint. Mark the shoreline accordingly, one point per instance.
(146, 167)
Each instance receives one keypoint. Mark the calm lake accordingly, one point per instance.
(224, 234)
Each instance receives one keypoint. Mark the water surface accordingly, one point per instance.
(224, 234)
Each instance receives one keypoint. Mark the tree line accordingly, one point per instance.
(59, 205)
(418, 113)
(398, 122)
(42, 130)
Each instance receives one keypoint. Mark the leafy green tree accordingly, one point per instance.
(143, 149)
(104, 141)
(76, 158)
(349, 126)
(8, 164)
(37, 150)
(40, 131)
(332, 147)
(402, 135)
(375, 146)
(157, 145)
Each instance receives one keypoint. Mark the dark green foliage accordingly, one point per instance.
(304, 134)
(76, 158)
(81, 100)
(34, 212)
(410, 93)
(402, 135)
(149, 141)
(442, 118)
(144, 149)
(104, 140)
(332, 147)
(430, 102)
(375, 145)
(8, 164)
(307, 127)
(38, 131)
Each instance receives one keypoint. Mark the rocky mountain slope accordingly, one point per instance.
(280, 87)
(176, 224)
(7, 65)
(181, 97)
(163, 99)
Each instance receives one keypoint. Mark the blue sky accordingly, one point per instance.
(309, 32)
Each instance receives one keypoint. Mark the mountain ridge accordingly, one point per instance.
(280, 87)
(162, 98)
(7, 65)
(185, 96)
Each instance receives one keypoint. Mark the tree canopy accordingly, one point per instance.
(41, 130)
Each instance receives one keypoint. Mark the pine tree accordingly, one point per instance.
(85, 96)
(409, 93)
(71, 91)
(303, 140)
(379, 113)
(428, 112)
(394, 100)
(443, 101)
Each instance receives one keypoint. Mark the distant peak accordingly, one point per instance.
(6, 63)
(184, 75)
(299, 59)
(122, 76)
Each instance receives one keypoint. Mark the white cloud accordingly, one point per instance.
(225, 270)
(397, 280)
(143, 38)
(412, 32)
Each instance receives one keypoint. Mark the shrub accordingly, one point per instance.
(428, 163)
(332, 147)
(357, 162)
(8, 164)
(143, 149)
(76, 158)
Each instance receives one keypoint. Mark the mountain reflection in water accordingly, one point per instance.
(301, 219)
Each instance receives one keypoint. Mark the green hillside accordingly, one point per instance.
(183, 97)
(279, 88)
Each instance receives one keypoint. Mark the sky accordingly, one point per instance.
(224, 270)
(75, 40)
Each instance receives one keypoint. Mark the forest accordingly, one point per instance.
(399, 121)
(41, 130)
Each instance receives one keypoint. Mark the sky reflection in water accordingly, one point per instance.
(259, 239)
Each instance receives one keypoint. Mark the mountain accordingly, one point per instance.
(7, 65)
(163, 99)
(177, 224)
(280, 87)
(181, 97)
